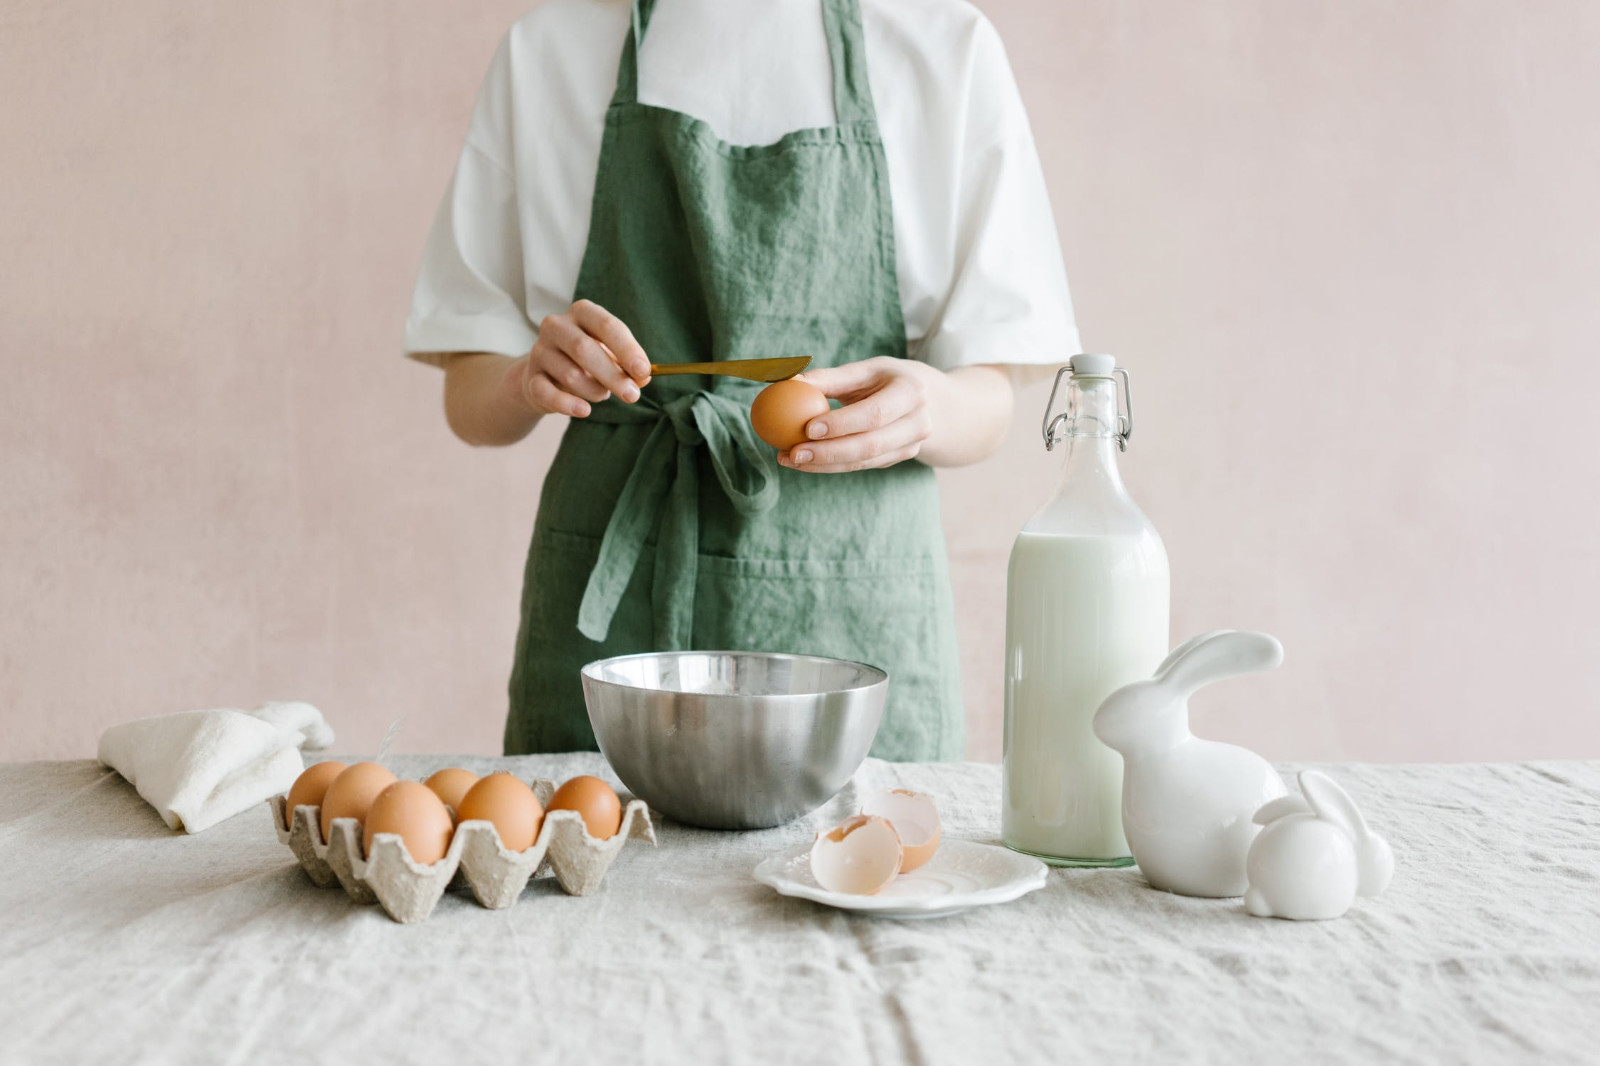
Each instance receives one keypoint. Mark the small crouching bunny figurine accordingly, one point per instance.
(1314, 855)
(1187, 803)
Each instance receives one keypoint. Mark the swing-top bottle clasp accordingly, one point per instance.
(1089, 365)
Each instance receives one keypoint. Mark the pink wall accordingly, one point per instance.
(1351, 251)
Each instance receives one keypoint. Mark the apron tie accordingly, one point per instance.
(664, 487)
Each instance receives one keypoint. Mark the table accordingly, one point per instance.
(122, 941)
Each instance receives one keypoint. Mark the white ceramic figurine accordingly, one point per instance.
(1315, 855)
(1187, 803)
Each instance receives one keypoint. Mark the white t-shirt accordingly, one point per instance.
(979, 266)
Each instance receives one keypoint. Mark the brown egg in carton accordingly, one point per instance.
(409, 891)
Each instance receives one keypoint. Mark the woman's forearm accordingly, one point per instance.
(971, 408)
(478, 404)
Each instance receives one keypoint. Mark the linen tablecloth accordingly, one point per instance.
(123, 941)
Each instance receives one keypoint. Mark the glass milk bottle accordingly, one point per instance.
(1086, 613)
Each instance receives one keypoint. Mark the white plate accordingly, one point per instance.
(961, 874)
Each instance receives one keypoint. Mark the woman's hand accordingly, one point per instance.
(885, 418)
(899, 409)
(581, 357)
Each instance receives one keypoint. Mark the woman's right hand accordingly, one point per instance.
(582, 356)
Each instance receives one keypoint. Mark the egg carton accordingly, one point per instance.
(409, 891)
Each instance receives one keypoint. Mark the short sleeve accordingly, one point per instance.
(470, 291)
(1008, 301)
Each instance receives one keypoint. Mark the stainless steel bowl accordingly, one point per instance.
(732, 739)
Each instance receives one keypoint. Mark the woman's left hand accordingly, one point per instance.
(886, 418)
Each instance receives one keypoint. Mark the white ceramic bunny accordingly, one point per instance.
(1187, 803)
(1315, 855)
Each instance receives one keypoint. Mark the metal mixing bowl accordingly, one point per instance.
(732, 739)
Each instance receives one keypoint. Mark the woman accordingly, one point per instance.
(692, 180)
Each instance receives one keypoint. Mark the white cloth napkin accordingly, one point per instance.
(197, 768)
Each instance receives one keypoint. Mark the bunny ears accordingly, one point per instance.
(1219, 654)
(1314, 855)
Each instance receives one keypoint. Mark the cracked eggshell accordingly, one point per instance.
(859, 856)
(914, 817)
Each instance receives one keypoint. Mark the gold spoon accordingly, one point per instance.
(751, 369)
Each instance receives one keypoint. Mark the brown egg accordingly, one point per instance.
(309, 788)
(509, 804)
(450, 785)
(780, 412)
(412, 812)
(352, 793)
(595, 800)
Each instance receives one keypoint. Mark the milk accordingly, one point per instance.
(1085, 615)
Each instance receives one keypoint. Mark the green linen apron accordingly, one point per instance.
(667, 524)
